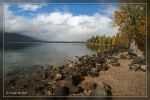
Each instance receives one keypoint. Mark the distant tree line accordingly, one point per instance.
(119, 39)
(100, 40)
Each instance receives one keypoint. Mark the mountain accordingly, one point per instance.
(13, 37)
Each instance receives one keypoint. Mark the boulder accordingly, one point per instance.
(134, 67)
(101, 67)
(73, 80)
(39, 89)
(12, 81)
(130, 52)
(83, 73)
(9, 74)
(116, 63)
(123, 56)
(88, 85)
(93, 72)
(102, 89)
(98, 66)
(101, 60)
(76, 79)
(65, 71)
(137, 60)
(61, 91)
(75, 90)
(143, 68)
(104, 67)
(87, 92)
(48, 92)
(58, 76)
(45, 74)
(71, 65)
(114, 59)
(135, 49)
(129, 57)
(27, 83)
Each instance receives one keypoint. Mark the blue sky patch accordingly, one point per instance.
(75, 9)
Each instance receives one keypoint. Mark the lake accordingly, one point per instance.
(20, 55)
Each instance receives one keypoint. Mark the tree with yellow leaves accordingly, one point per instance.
(131, 19)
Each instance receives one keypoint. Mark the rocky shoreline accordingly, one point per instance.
(74, 78)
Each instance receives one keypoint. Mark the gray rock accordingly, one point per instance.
(58, 76)
(83, 73)
(143, 68)
(39, 89)
(130, 52)
(102, 90)
(101, 67)
(76, 79)
(134, 67)
(104, 67)
(71, 65)
(137, 60)
(88, 85)
(45, 74)
(73, 80)
(61, 91)
(9, 74)
(12, 81)
(115, 64)
(75, 90)
(93, 72)
(48, 92)
(27, 84)
(129, 57)
(135, 49)
(87, 92)
(98, 66)
(65, 71)
(123, 56)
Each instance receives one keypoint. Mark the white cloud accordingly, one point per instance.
(60, 26)
(31, 7)
(109, 10)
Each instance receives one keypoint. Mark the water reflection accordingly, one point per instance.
(95, 47)
(19, 55)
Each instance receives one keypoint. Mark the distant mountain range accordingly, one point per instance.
(18, 38)
(14, 37)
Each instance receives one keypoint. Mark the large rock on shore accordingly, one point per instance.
(61, 91)
(73, 80)
(123, 55)
(143, 68)
(137, 60)
(134, 67)
(83, 73)
(138, 63)
(115, 62)
(58, 76)
(88, 85)
(93, 72)
(102, 89)
(135, 49)
(75, 90)
(101, 67)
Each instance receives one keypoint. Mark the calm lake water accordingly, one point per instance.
(20, 55)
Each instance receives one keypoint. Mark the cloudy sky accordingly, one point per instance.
(61, 22)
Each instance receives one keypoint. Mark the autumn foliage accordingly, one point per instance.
(131, 20)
